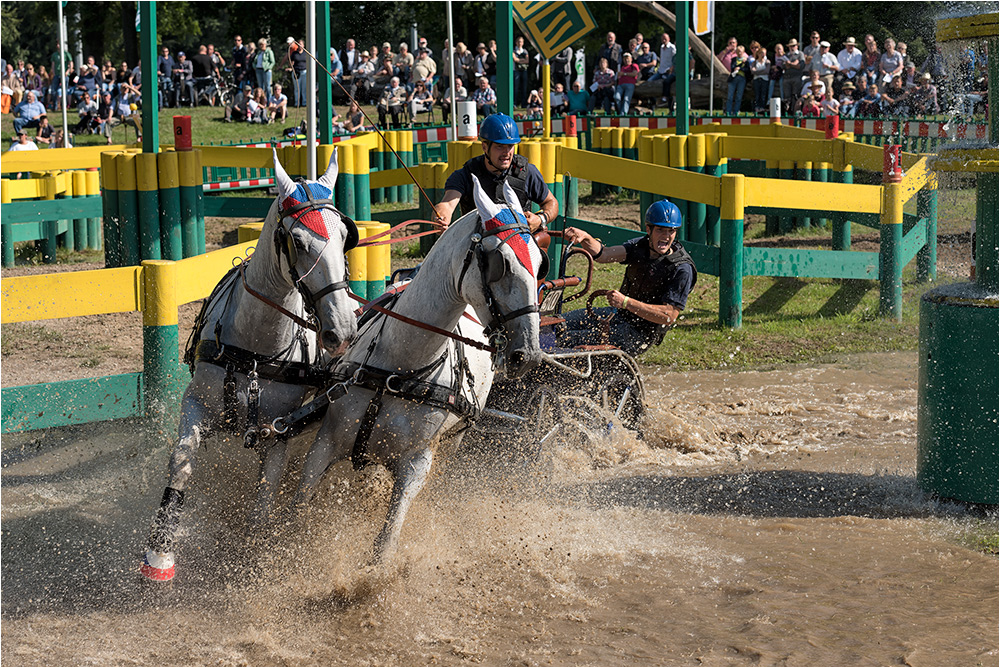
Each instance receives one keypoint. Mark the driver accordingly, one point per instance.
(499, 163)
(658, 278)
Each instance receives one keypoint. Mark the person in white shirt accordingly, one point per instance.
(814, 78)
(277, 104)
(828, 65)
(23, 143)
(849, 59)
(665, 67)
(461, 94)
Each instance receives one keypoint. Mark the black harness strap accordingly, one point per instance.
(238, 360)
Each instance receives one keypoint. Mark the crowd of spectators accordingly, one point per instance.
(814, 80)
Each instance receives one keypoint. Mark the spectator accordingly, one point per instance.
(761, 73)
(562, 65)
(534, 105)
(934, 65)
(109, 76)
(238, 61)
(85, 83)
(218, 62)
(791, 79)
(88, 115)
(828, 65)
(350, 57)
(491, 62)
(485, 98)
(13, 88)
(482, 63)
(363, 78)
(777, 72)
(464, 62)
(263, 63)
(183, 81)
(829, 104)
(460, 93)
(165, 66)
(402, 63)
(295, 62)
(646, 61)
(739, 70)
(58, 139)
(384, 66)
(809, 87)
(27, 113)
(727, 54)
(890, 65)
(848, 105)
(355, 119)
(665, 67)
(813, 53)
(420, 100)
(603, 86)
(122, 77)
(336, 68)
(850, 62)
(105, 110)
(277, 105)
(23, 143)
(870, 106)
(237, 110)
(910, 77)
(611, 51)
(521, 62)
(901, 48)
(579, 99)
(894, 98)
(257, 107)
(558, 101)
(204, 84)
(870, 58)
(628, 77)
(43, 134)
(423, 70)
(924, 97)
(124, 112)
(391, 102)
(33, 81)
(810, 107)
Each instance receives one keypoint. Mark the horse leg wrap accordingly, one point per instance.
(359, 454)
(159, 560)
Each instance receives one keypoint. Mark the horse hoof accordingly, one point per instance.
(158, 566)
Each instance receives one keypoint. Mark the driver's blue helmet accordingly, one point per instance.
(499, 129)
(663, 213)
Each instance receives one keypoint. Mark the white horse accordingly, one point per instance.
(255, 351)
(407, 387)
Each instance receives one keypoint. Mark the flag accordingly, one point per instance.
(703, 11)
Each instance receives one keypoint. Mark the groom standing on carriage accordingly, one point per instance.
(499, 164)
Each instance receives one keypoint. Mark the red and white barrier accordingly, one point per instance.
(230, 185)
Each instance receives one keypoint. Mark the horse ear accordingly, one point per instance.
(512, 201)
(488, 209)
(285, 184)
(329, 178)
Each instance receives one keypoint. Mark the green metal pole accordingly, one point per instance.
(731, 252)
(110, 216)
(171, 243)
(150, 93)
(505, 64)
(890, 261)
(681, 67)
(987, 202)
(325, 96)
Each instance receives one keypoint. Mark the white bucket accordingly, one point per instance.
(774, 104)
(466, 116)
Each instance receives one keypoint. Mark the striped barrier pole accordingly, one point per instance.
(890, 261)
(171, 242)
(362, 183)
(696, 160)
(927, 208)
(80, 224)
(187, 179)
(160, 337)
(731, 252)
(114, 252)
(677, 147)
(149, 206)
(357, 262)
(7, 231)
(715, 165)
(92, 178)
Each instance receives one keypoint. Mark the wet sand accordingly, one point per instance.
(771, 517)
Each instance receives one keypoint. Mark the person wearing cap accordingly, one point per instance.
(362, 78)
(849, 59)
(23, 143)
(423, 70)
(659, 276)
(848, 105)
(183, 74)
(791, 78)
(828, 65)
(924, 96)
(499, 163)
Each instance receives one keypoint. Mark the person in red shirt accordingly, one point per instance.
(628, 77)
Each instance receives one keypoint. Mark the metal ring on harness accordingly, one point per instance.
(388, 384)
(275, 423)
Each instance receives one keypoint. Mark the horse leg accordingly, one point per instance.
(409, 478)
(158, 564)
(329, 447)
(272, 465)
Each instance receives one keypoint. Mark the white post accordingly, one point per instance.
(61, 47)
(451, 74)
(311, 88)
(711, 68)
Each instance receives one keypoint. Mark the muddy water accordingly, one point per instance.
(771, 517)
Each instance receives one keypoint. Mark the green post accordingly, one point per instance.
(682, 67)
(601, 140)
(715, 165)
(128, 209)
(987, 202)
(890, 261)
(325, 86)
(199, 200)
(150, 93)
(345, 192)
(69, 237)
(786, 171)
(731, 252)
(823, 176)
(771, 221)
(806, 174)
(188, 192)
(7, 232)
(93, 179)
(505, 68)
(80, 224)
(842, 224)
(572, 197)
(149, 206)
(171, 243)
(927, 208)
(697, 212)
(113, 253)
(615, 149)
(362, 191)
(377, 165)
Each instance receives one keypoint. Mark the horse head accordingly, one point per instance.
(310, 238)
(506, 296)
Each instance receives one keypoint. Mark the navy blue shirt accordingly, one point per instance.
(675, 291)
(461, 182)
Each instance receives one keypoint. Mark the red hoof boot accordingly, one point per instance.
(158, 566)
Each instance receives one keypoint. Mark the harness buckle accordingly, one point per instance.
(339, 389)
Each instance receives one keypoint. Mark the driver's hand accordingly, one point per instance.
(615, 299)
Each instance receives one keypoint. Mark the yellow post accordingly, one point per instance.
(161, 370)
(357, 259)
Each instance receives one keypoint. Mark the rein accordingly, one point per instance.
(301, 322)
